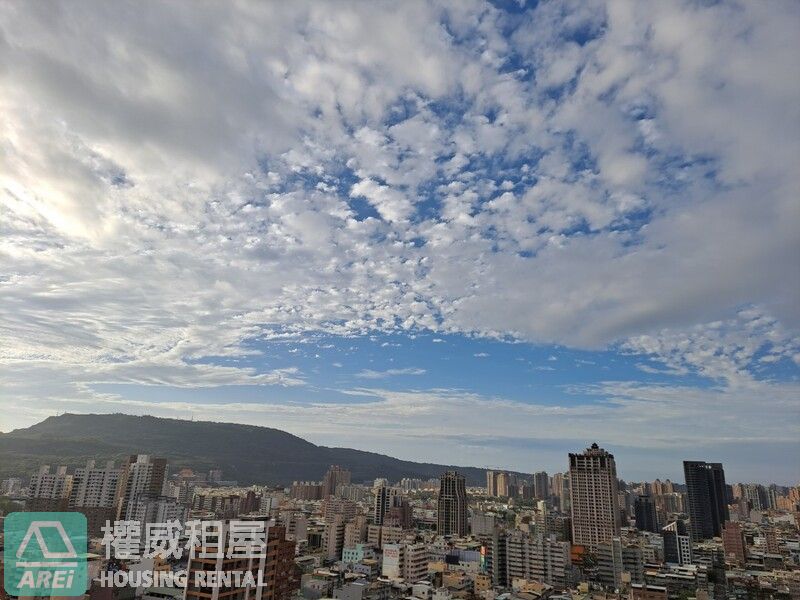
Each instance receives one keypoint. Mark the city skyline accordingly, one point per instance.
(381, 486)
(464, 233)
(641, 541)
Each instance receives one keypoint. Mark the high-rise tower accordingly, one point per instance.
(142, 475)
(645, 511)
(385, 498)
(335, 477)
(541, 485)
(706, 505)
(452, 518)
(593, 497)
(491, 483)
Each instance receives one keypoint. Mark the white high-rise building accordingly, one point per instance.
(95, 492)
(142, 475)
(49, 491)
(594, 497)
(45, 484)
(95, 487)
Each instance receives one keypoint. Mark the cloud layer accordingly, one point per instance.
(178, 182)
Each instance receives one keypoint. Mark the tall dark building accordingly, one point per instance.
(645, 510)
(706, 498)
(541, 485)
(452, 517)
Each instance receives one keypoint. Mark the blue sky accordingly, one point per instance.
(463, 232)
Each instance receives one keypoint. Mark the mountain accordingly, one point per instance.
(246, 453)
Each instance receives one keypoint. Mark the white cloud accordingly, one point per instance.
(172, 188)
(370, 374)
(726, 351)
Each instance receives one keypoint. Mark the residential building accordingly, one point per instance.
(276, 563)
(384, 499)
(619, 563)
(296, 524)
(356, 493)
(493, 553)
(559, 487)
(145, 508)
(541, 485)
(415, 562)
(306, 490)
(706, 499)
(224, 503)
(483, 523)
(452, 505)
(645, 512)
(355, 532)
(332, 505)
(536, 557)
(141, 474)
(335, 477)
(491, 483)
(677, 544)
(49, 492)
(502, 482)
(210, 559)
(333, 538)
(594, 498)
(733, 543)
(756, 496)
(771, 541)
(393, 561)
(357, 553)
(400, 514)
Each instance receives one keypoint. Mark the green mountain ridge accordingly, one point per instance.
(246, 453)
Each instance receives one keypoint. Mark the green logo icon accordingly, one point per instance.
(45, 554)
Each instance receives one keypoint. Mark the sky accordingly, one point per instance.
(484, 234)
